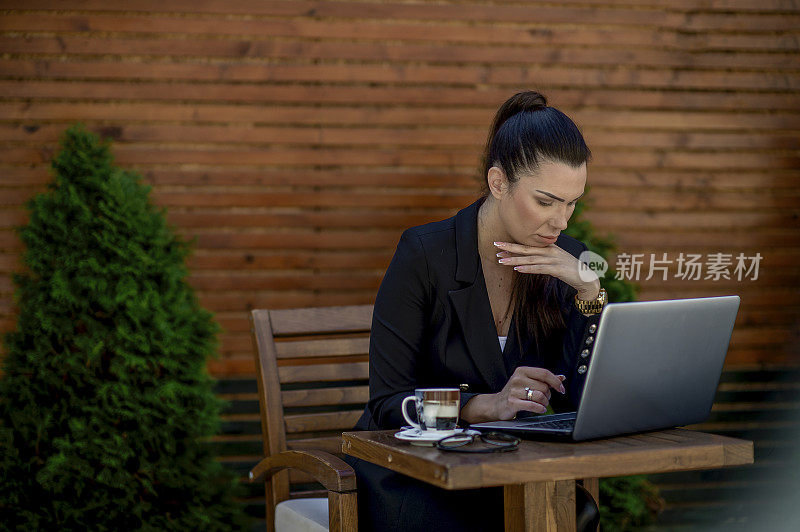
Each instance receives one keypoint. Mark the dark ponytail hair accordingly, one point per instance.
(525, 131)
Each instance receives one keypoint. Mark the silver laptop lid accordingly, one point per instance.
(655, 364)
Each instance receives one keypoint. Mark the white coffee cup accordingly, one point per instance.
(437, 409)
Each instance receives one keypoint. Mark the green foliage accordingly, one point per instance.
(104, 398)
(628, 503)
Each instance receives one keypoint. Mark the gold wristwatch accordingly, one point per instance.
(594, 306)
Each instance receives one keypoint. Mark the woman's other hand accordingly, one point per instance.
(513, 397)
(505, 404)
(550, 260)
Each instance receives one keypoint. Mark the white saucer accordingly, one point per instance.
(428, 438)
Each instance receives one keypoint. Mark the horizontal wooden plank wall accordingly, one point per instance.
(296, 140)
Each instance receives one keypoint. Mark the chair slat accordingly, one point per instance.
(321, 320)
(323, 372)
(321, 348)
(308, 494)
(325, 396)
(332, 444)
(343, 420)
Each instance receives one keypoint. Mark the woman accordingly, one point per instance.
(490, 301)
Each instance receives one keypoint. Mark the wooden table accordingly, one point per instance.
(539, 478)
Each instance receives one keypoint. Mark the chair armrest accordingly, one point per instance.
(333, 473)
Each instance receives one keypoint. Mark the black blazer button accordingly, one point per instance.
(463, 387)
(592, 328)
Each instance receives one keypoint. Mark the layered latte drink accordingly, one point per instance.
(437, 408)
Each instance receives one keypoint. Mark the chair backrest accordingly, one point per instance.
(312, 371)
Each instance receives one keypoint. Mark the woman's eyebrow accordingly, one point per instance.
(557, 198)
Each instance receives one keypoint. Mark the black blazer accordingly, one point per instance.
(432, 325)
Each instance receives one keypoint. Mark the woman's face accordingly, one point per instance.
(536, 208)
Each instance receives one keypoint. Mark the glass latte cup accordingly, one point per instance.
(437, 409)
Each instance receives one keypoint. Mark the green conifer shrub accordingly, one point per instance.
(632, 502)
(104, 397)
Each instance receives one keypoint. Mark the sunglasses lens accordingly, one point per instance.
(498, 438)
(456, 441)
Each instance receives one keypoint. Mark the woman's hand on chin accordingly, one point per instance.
(550, 260)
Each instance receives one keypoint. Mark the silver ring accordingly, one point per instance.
(528, 394)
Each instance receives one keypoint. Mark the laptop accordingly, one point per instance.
(655, 365)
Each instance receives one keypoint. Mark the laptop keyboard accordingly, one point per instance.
(560, 424)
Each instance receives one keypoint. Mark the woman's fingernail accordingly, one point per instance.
(562, 389)
(517, 268)
(500, 254)
(562, 377)
(503, 261)
(499, 244)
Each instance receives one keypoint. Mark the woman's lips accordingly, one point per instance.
(548, 239)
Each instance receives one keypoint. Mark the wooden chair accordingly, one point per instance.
(312, 368)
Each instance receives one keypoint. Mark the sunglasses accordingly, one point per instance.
(497, 442)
